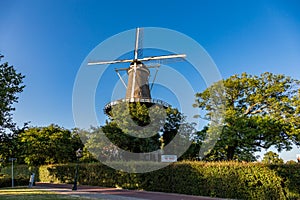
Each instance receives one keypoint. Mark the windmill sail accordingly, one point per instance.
(137, 89)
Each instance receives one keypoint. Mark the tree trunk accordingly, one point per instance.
(230, 152)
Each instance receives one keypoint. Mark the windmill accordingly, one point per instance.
(137, 88)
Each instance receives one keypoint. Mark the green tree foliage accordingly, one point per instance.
(10, 147)
(272, 158)
(170, 128)
(48, 145)
(10, 85)
(96, 146)
(261, 111)
(135, 127)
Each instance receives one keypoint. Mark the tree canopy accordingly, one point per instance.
(48, 145)
(260, 112)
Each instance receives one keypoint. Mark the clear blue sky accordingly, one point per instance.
(48, 40)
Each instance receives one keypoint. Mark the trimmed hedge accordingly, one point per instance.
(21, 176)
(19, 171)
(6, 182)
(218, 179)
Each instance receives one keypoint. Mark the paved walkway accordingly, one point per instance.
(94, 192)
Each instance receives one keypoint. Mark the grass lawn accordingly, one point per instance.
(23, 193)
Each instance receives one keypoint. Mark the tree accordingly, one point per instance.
(272, 158)
(260, 112)
(48, 145)
(137, 129)
(10, 85)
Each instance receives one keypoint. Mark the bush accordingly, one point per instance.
(215, 179)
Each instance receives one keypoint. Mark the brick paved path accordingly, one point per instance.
(116, 194)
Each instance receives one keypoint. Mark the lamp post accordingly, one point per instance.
(78, 155)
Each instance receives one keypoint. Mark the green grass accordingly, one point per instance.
(22, 193)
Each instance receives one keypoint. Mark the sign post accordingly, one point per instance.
(12, 170)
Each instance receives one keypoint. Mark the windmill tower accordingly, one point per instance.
(137, 88)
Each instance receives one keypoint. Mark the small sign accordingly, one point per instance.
(168, 158)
